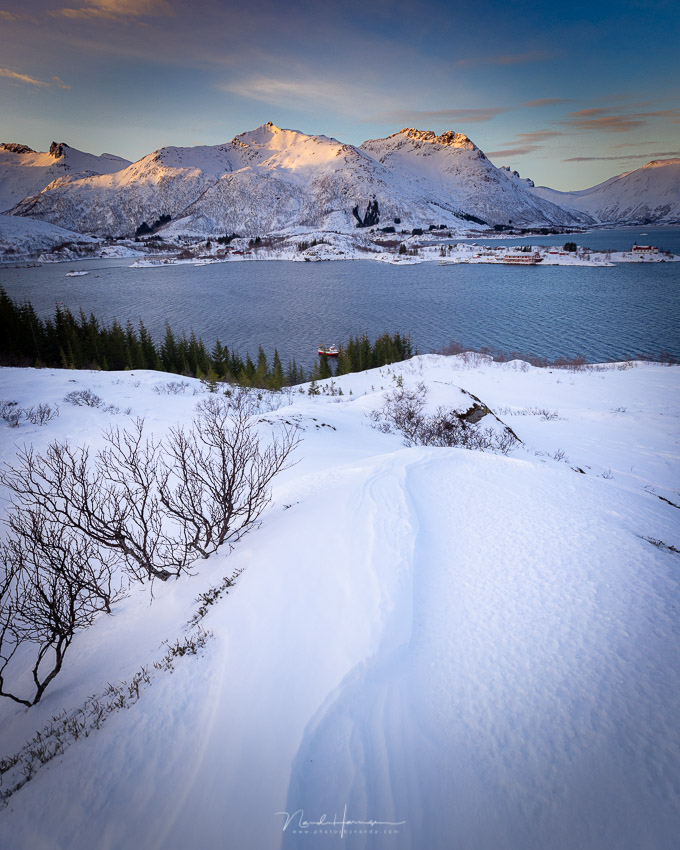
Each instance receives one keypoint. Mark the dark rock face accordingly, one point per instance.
(13, 147)
(57, 149)
(371, 217)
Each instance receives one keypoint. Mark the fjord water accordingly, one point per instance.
(598, 313)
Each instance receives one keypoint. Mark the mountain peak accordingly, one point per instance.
(259, 136)
(57, 149)
(660, 163)
(449, 138)
(15, 147)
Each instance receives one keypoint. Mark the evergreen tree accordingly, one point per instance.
(262, 370)
(343, 366)
(149, 350)
(169, 351)
(219, 357)
(276, 379)
(324, 367)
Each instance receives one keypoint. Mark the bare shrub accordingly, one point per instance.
(158, 506)
(403, 412)
(11, 413)
(109, 499)
(216, 473)
(42, 414)
(84, 398)
(145, 507)
(171, 388)
(56, 582)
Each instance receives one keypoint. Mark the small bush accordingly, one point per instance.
(11, 413)
(172, 388)
(403, 412)
(42, 414)
(84, 398)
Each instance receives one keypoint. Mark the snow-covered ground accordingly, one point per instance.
(335, 246)
(475, 650)
(26, 237)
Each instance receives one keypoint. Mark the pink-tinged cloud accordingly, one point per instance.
(539, 135)
(60, 83)
(116, 10)
(12, 17)
(590, 113)
(22, 78)
(511, 152)
(601, 119)
(546, 101)
(648, 156)
(606, 123)
(506, 59)
(409, 117)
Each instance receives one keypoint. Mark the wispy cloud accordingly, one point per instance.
(508, 152)
(524, 143)
(297, 92)
(463, 116)
(22, 78)
(506, 59)
(648, 156)
(600, 118)
(546, 101)
(17, 77)
(539, 135)
(12, 17)
(116, 10)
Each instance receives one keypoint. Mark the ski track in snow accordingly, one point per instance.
(526, 708)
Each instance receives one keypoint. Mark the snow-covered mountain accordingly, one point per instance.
(650, 194)
(25, 172)
(452, 171)
(271, 179)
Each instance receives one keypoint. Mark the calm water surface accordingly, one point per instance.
(609, 313)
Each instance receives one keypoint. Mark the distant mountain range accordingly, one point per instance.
(271, 180)
(650, 194)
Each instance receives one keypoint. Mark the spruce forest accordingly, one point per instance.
(67, 341)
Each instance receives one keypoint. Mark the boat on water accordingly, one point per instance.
(328, 350)
(75, 274)
(523, 258)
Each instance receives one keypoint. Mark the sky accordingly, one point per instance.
(567, 93)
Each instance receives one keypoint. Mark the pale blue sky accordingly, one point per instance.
(568, 93)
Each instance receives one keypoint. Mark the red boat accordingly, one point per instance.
(328, 350)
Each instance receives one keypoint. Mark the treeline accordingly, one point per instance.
(68, 341)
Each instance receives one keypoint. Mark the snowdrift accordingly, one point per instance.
(425, 647)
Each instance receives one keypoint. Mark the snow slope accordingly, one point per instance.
(270, 180)
(478, 649)
(26, 236)
(25, 172)
(650, 194)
